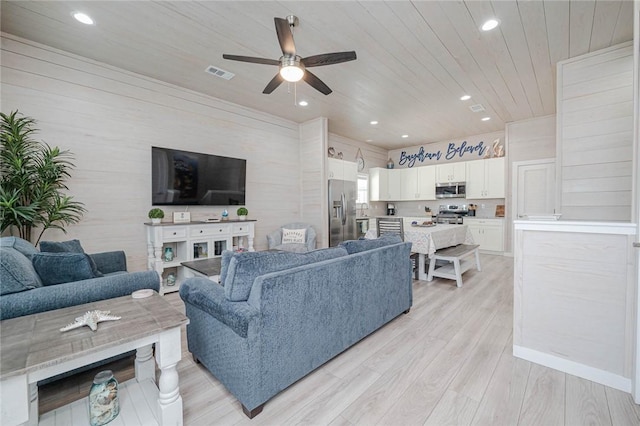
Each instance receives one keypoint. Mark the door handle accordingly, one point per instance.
(636, 244)
(344, 208)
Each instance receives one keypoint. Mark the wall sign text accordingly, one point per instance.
(453, 150)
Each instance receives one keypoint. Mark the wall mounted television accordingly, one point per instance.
(190, 178)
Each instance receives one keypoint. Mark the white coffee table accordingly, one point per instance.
(32, 349)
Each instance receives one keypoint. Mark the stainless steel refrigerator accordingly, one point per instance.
(342, 211)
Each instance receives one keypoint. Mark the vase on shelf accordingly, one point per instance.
(390, 164)
(168, 254)
(171, 279)
(103, 399)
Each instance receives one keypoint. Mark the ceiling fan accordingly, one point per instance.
(292, 67)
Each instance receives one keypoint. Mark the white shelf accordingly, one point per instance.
(138, 402)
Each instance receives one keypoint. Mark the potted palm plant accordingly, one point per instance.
(32, 181)
(156, 215)
(242, 213)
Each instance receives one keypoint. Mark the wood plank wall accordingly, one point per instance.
(313, 164)
(595, 135)
(109, 118)
(532, 139)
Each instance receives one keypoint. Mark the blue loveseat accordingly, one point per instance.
(32, 282)
(281, 315)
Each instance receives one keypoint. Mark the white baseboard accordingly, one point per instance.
(570, 367)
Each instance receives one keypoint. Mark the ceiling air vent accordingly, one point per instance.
(219, 72)
(476, 108)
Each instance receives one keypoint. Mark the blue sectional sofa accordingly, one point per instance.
(32, 281)
(279, 315)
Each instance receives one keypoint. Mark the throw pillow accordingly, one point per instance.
(23, 246)
(71, 246)
(16, 271)
(58, 268)
(294, 236)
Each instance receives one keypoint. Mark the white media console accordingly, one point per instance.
(192, 241)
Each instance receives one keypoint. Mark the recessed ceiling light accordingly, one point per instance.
(373, 122)
(490, 24)
(303, 103)
(369, 140)
(486, 118)
(465, 97)
(83, 17)
(405, 136)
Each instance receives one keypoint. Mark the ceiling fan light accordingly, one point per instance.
(291, 73)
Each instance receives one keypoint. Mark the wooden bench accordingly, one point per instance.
(458, 262)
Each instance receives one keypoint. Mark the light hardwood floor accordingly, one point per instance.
(447, 362)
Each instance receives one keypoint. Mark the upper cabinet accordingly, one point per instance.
(378, 184)
(342, 170)
(412, 184)
(426, 183)
(486, 178)
(452, 172)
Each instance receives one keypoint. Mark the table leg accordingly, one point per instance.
(422, 260)
(15, 398)
(168, 353)
(145, 366)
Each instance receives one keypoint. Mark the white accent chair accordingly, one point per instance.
(275, 238)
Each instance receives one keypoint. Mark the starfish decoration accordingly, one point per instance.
(91, 319)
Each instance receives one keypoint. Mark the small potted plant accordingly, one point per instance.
(156, 215)
(242, 213)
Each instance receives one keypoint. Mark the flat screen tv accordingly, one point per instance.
(190, 178)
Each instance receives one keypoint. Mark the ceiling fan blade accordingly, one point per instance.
(252, 59)
(273, 84)
(316, 83)
(328, 59)
(285, 36)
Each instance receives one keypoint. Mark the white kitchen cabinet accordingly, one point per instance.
(378, 184)
(426, 183)
(342, 170)
(395, 177)
(452, 172)
(408, 184)
(488, 233)
(486, 178)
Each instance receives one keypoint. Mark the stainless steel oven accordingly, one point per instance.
(451, 190)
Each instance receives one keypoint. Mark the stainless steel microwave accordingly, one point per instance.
(451, 190)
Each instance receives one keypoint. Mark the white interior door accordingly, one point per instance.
(535, 188)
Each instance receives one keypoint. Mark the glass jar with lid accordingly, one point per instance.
(103, 399)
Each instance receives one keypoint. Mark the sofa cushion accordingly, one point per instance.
(245, 267)
(23, 246)
(16, 271)
(71, 246)
(356, 246)
(58, 268)
(224, 264)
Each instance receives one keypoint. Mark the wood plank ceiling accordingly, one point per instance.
(415, 58)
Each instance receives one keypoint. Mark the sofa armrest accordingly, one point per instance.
(110, 261)
(209, 297)
(60, 296)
